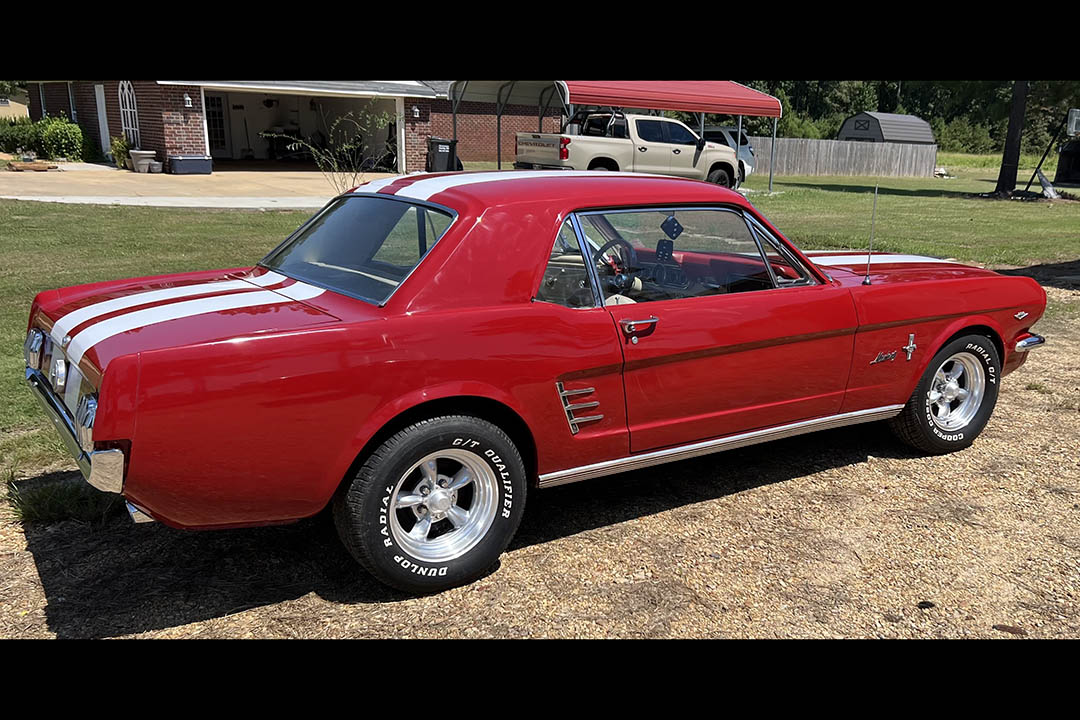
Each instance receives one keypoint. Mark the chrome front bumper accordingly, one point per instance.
(1031, 340)
(103, 469)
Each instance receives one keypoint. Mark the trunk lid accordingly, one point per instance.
(93, 324)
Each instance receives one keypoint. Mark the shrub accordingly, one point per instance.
(20, 134)
(50, 137)
(61, 138)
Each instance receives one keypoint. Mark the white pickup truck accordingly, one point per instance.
(631, 143)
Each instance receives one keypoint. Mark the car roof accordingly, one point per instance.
(474, 192)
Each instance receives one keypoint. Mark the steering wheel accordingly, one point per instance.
(631, 255)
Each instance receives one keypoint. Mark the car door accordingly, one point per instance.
(682, 146)
(651, 153)
(715, 340)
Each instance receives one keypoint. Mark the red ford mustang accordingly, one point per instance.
(426, 348)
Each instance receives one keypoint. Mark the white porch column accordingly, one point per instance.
(400, 106)
(205, 131)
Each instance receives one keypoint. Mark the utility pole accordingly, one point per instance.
(1010, 159)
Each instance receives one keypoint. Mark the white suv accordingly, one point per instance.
(726, 136)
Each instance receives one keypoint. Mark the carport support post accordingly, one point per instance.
(738, 143)
(772, 154)
(500, 104)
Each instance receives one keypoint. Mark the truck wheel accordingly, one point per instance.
(720, 177)
(954, 398)
(435, 505)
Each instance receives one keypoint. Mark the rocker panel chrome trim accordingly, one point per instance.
(706, 447)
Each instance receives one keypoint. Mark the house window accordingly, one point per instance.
(129, 114)
(71, 104)
(41, 95)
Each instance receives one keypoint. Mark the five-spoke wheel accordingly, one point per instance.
(957, 391)
(444, 504)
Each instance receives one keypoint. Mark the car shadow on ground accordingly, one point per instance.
(1064, 275)
(117, 578)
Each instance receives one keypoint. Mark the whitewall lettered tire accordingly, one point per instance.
(435, 505)
(954, 398)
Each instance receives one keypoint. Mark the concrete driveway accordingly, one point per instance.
(106, 185)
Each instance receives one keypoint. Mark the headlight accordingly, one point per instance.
(35, 341)
(84, 421)
(58, 373)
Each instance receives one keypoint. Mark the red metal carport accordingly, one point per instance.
(701, 96)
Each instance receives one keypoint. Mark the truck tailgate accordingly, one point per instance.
(538, 148)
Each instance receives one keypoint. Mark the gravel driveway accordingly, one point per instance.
(838, 534)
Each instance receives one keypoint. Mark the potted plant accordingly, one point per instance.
(120, 149)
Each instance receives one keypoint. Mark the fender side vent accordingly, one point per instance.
(572, 409)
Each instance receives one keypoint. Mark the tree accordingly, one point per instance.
(1010, 159)
(11, 88)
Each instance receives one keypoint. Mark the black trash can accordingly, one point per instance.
(191, 164)
(1068, 168)
(441, 155)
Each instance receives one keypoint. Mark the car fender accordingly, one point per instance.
(403, 403)
(956, 327)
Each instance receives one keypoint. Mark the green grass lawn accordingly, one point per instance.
(45, 245)
(928, 216)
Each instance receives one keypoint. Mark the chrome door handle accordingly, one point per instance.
(676, 151)
(642, 148)
(632, 326)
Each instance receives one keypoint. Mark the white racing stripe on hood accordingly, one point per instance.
(105, 329)
(875, 259)
(77, 317)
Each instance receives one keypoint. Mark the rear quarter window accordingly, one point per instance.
(362, 246)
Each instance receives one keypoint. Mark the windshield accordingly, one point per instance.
(361, 246)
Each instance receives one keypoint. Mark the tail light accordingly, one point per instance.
(564, 152)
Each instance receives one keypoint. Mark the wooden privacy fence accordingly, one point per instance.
(805, 156)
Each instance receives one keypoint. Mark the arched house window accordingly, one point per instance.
(129, 113)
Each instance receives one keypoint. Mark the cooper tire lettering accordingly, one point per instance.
(954, 428)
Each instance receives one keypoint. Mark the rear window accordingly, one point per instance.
(361, 246)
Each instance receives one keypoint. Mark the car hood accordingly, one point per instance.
(848, 267)
(96, 323)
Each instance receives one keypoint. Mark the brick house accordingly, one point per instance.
(223, 119)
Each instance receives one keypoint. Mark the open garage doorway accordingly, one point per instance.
(252, 131)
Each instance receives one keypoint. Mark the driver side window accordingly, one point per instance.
(651, 255)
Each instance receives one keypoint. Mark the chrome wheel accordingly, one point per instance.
(444, 505)
(957, 391)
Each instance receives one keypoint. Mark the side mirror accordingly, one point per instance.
(701, 144)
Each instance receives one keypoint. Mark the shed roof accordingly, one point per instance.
(902, 128)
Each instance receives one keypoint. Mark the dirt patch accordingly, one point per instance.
(839, 534)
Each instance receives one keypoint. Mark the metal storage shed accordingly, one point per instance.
(886, 127)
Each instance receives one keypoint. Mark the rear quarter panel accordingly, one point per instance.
(264, 429)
